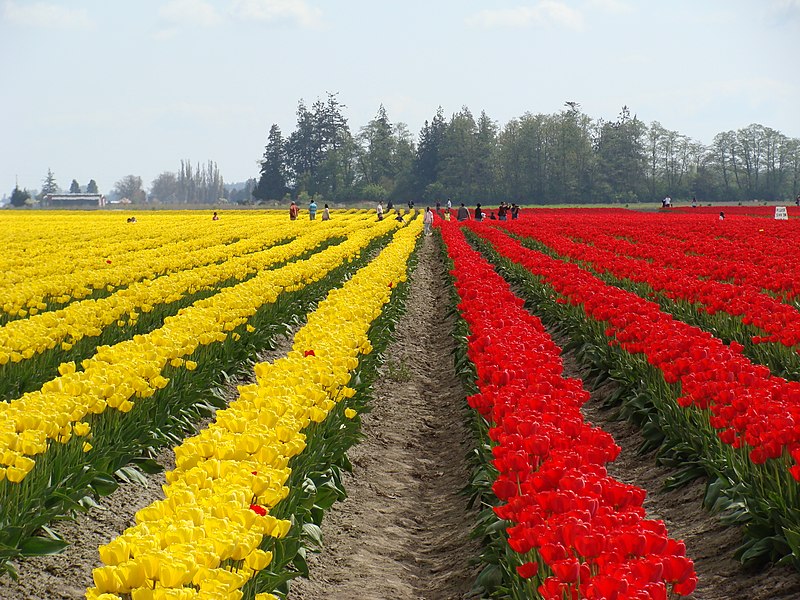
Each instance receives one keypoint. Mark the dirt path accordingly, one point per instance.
(710, 543)
(403, 532)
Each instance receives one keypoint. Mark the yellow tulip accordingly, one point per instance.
(172, 575)
(258, 559)
(115, 552)
(66, 368)
(108, 579)
(81, 429)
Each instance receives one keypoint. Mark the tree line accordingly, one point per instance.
(22, 197)
(198, 184)
(565, 157)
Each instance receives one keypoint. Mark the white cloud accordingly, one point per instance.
(275, 10)
(544, 13)
(44, 14)
(189, 12)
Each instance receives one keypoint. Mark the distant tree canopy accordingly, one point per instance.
(91, 187)
(198, 184)
(19, 197)
(130, 187)
(74, 187)
(564, 157)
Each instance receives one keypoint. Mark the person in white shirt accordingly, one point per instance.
(427, 221)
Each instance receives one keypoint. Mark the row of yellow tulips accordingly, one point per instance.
(202, 541)
(23, 338)
(113, 254)
(117, 374)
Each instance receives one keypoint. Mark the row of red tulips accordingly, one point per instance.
(748, 406)
(779, 321)
(578, 532)
(742, 423)
(746, 250)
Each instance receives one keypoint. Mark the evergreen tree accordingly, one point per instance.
(457, 155)
(74, 187)
(378, 146)
(427, 162)
(49, 185)
(621, 159)
(91, 188)
(320, 152)
(272, 182)
(485, 165)
(403, 159)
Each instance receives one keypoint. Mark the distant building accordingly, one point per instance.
(75, 200)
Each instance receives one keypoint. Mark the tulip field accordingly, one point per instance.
(120, 341)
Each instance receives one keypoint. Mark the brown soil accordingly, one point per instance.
(403, 531)
(709, 542)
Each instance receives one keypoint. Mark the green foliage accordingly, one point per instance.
(373, 192)
(19, 197)
(74, 187)
(91, 187)
(565, 157)
(130, 187)
(272, 182)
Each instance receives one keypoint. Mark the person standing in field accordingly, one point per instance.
(326, 213)
(478, 212)
(514, 212)
(294, 210)
(379, 210)
(427, 221)
(312, 210)
(215, 217)
(463, 213)
(502, 211)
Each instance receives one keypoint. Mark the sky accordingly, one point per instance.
(101, 89)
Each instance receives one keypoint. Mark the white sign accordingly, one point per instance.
(781, 214)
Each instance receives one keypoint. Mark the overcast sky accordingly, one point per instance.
(106, 88)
